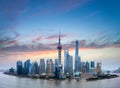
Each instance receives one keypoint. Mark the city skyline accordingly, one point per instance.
(29, 29)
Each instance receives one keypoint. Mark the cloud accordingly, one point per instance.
(37, 39)
(12, 42)
(9, 39)
(104, 41)
(56, 36)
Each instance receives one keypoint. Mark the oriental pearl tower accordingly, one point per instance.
(59, 47)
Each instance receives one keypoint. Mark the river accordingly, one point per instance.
(7, 81)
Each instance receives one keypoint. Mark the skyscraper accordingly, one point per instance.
(49, 67)
(87, 67)
(77, 58)
(98, 68)
(92, 67)
(42, 66)
(92, 64)
(19, 66)
(83, 67)
(68, 63)
(57, 70)
(26, 67)
(34, 68)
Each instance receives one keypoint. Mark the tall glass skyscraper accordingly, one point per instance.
(19, 66)
(68, 63)
(42, 66)
(49, 67)
(77, 58)
(26, 67)
(35, 68)
(87, 67)
(92, 64)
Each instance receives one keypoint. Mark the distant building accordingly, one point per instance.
(87, 67)
(68, 63)
(92, 64)
(19, 66)
(35, 69)
(56, 62)
(57, 70)
(26, 67)
(30, 69)
(42, 66)
(92, 68)
(98, 68)
(83, 66)
(11, 71)
(49, 67)
(77, 58)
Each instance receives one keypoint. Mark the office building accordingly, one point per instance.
(42, 66)
(19, 68)
(26, 67)
(35, 69)
(49, 67)
(87, 67)
(68, 63)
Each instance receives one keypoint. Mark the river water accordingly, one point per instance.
(7, 81)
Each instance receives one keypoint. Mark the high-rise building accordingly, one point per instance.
(30, 68)
(98, 68)
(87, 67)
(34, 69)
(11, 70)
(42, 66)
(57, 70)
(68, 63)
(92, 64)
(56, 62)
(77, 58)
(49, 67)
(83, 66)
(92, 67)
(19, 66)
(26, 67)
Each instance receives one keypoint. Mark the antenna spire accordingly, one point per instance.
(59, 37)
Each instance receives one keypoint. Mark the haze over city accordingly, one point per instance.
(29, 30)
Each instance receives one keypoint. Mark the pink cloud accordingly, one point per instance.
(11, 42)
(56, 36)
(37, 38)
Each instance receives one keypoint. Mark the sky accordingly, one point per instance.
(29, 30)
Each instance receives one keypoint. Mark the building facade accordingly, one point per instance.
(19, 68)
(35, 68)
(42, 66)
(68, 63)
(49, 67)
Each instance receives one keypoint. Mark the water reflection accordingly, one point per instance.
(7, 81)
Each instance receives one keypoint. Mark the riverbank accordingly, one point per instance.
(100, 77)
(94, 78)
